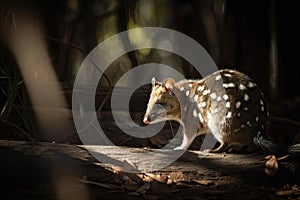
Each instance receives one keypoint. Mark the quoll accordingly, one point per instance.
(226, 103)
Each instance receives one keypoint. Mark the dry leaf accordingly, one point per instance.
(169, 181)
(158, 177)
(116, 169)
(271, 166)
(288, 193)
(147, 179)
(205, 182)
(178, 177)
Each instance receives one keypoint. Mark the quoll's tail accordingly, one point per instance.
(269, 146)
(294, 149)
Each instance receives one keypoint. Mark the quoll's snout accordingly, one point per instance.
(147, 120)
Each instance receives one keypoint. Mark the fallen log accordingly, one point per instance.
(41, 169)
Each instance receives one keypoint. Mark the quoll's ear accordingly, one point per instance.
(169, 84)
(154, 82)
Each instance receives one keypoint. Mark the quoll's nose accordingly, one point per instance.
(146, 120)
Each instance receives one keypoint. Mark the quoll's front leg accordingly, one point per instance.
(185, 143)
(191, 129)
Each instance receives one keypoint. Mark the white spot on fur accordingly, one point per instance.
(249, 124)
(229, 115)
(218, 77)
(225, 97)
(238, 114)
(246, 97)
(196, 97)
(256, 119)
(236, 130)
(181, 88)
(200, 117)
(227, 75)
(262, 109)
(200, 88)
(219, 98)
(261, 102)
(242, 87)
(187, 93)
(195, 113)
(246, 108)
(227, 104)
(190, 85)
(206, 92)
(251, 85)
(243, 126)
(231, 85)
(213, 95)
(211, 123)
(228, 85)
(202, 104)
(238, 104)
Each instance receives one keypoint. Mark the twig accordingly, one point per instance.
(18, 128)
(112, 187)
(54, 39)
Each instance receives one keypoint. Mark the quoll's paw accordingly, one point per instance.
(179, 148)
(206, 151)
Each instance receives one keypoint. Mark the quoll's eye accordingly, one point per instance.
(170, 92)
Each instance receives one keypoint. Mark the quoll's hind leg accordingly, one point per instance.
(234, 148)
(241, 148)
(222, 148)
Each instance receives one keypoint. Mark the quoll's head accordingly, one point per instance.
(163, 103)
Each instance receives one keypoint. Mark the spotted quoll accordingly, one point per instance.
(226, 103)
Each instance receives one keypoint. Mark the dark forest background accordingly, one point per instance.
(257, 37)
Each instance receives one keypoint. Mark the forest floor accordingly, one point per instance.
(41, 170)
